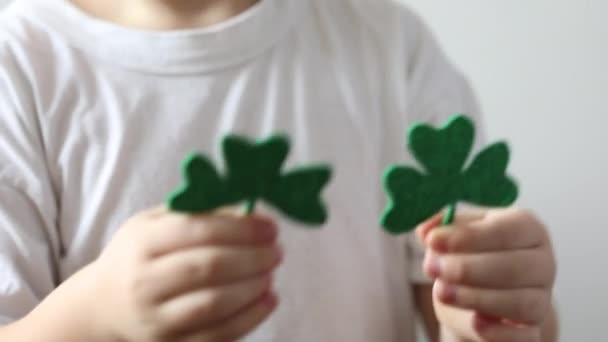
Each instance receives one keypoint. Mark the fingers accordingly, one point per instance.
(207, 307)
(240, 325)
(427, 226)
(175, 231)
(467, 325)
(519, 305)
(494, 271)
(497, 331)
(463, 216)
(499, 270)
(210, 266)
(498, 231)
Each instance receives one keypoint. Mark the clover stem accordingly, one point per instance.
(449, 216)
(250, 206)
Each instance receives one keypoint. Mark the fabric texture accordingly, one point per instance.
(95, 117)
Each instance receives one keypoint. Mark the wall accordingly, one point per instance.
(540, 71)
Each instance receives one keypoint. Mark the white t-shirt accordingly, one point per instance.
(95, 119)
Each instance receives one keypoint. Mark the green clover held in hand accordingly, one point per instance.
(253, 172)
(416, 196)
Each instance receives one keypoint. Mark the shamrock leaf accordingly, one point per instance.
(414, 196)
(443, 151)
(202, 188)
(253, 172)
(252, 168)
(297, 194)
(486, 182)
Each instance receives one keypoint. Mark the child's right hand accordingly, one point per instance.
(179, 278)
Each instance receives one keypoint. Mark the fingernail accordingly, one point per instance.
(271, 300)
(432, 264)
(483, 323)
(426, 227)
(447, 293)
(279, 254)
(268, 279)
(264, 230)
(439, 244)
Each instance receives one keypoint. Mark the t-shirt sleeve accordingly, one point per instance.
(435, 90)
(28, 238)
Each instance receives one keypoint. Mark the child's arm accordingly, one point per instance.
(65, 315)
(165, 277)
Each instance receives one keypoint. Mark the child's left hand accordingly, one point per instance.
(494, 272)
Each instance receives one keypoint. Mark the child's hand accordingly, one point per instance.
(170, 277)
(494, 274)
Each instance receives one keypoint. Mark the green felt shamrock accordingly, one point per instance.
(416, 196)
(253, 172)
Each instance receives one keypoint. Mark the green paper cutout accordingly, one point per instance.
(253, 172)
(414, 196)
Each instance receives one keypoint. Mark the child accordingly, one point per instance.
(100, 100)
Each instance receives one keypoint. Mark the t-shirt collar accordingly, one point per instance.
(226, 44)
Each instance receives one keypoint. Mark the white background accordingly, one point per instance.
(540, 71)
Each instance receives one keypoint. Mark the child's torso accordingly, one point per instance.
(114, 139)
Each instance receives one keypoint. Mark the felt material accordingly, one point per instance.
(414, 196)
(252, 168)
(444, 151)
(297, 194)
(253, 172)
(202, 189)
